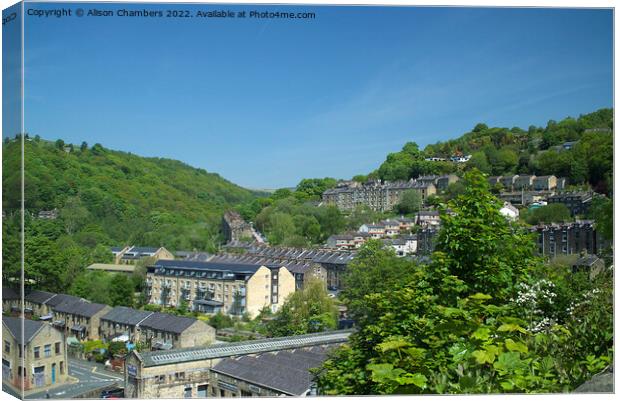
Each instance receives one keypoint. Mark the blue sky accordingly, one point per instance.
(265, 103)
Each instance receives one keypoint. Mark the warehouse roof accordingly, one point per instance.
(157, 358)
(285, 371)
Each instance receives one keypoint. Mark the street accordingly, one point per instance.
(90, 376)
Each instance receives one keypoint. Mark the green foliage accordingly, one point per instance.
(603, 213)
(292, 222)
(553, 213)
(313, 188)
(221, 321)
(410, 163)
(307, 311)
(438, 330)
(480, 247)
(375, 269)
(101, 287)
(91, 345)
(410, 202)
(117, 348)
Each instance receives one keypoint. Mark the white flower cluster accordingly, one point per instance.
(542, 325)
(586, 298)
(532, 296)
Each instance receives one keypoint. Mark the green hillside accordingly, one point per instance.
(537, 150)
(106, 197)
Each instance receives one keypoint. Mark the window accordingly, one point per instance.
(179, 375)
(37, 351)
(47, 350)
(7, 346)
(161, 379)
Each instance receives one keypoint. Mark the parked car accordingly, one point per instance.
(113, 393)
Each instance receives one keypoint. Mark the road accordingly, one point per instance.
(90, 376)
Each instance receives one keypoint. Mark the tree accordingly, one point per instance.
(485, 251)
(60, 144)
(310, 310)
(410, 202)
(121, 290)
(74, 215)
(314, 187)
(84, 147)
(553, 213)
(375, 269)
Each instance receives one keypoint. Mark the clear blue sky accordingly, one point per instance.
(265, 103)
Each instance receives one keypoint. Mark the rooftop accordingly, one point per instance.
(125, 315)
(158, 358)
(14, 325)
(80, 308)
(285, 371)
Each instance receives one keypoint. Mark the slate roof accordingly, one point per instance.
(9, 293)
(143, 249)
(62, 298)
(14, 324)
(38, 297)
(125, 315)
(587, 260)
(209, 266)
(166, 322)
(159, 358)
(80, 308)
(285, 371)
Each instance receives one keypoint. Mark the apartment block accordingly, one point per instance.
(374, 194)
(211, 287)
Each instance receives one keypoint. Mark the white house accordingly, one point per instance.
(509, 211)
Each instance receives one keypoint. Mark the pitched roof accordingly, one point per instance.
(14, 324)
(166, 322)
(125, 315)
(80, 308)
(285, 371)
(38, 297)
(9, 293)
(62, 298)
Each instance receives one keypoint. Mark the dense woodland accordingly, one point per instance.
(104, 198)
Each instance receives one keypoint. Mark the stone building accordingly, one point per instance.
(131, 255)
(545, 183)
(568, 238)
(211, 287)
(37, 361)
(192, 372)
(577, 202)
(374, 194)
(165, 331)
(235, 228)
(11, 301)
(79, 319)
(327, 264)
